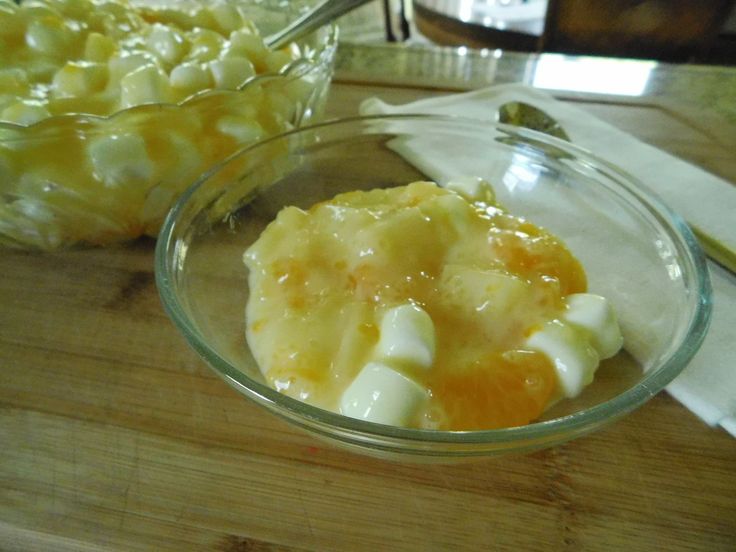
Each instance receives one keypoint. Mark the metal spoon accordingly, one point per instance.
(525, 115)
(312, 20)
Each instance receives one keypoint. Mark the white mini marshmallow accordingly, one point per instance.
(121, 65)
(147, 84)
(48, 35)
(206, 44)
(407, 337)
(120, 160)
(166, 43)
(241, 129)
(190, 78)
(472, 188)
(595, 315)
(382, 395)
(248, 42)
(575, 360)
(231, 72)
(227, 16)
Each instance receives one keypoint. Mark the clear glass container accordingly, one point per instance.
(636, 252)
(62, 184)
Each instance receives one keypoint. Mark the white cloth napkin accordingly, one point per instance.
(708, 385)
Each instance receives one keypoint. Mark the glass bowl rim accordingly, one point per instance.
(362, 432)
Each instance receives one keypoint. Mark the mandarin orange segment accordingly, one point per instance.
(500, 390)
(533, 252)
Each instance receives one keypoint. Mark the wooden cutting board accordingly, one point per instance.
(115, 436)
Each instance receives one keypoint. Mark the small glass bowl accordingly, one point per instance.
(54, 194)
(636, 252)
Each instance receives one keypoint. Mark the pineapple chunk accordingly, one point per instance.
(99, 47)
(227, 16)
(243, 130)
(78, 79)
(24, 112)
(147, 84)
(188, 78)
(167, 44)
(231, 72)
(121, 160)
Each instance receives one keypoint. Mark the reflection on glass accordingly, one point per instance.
(465, 10)
(624, 77)
(526, 16)
(521, 174)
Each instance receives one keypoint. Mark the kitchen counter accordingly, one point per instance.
(117, 437)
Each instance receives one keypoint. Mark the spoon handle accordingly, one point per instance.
(313, 19)
(525, 115)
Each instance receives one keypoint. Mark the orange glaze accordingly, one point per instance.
(320, 281)
(497, 390)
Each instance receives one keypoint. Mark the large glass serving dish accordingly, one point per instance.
(110, 109)
(636, 252)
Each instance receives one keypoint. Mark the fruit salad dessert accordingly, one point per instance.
(100, 56)
(423, 306)
(109, 110)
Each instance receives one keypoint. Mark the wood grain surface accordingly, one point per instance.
(115, 436)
